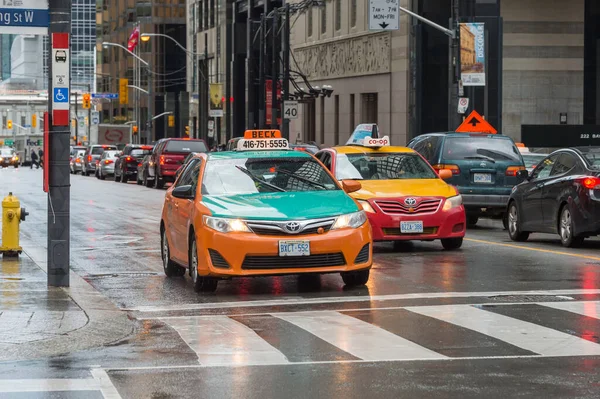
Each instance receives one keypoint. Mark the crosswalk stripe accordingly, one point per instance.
(585, 308)
(219, 340)
(48, 385)
(357, 337)
(542, 340)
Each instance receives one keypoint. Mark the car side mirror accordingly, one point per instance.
(523, 175)
(184, 192)
(445, 174)
(351, 186)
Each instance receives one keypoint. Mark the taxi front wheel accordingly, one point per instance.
(201, 284)
(353, 279)
(171, 268)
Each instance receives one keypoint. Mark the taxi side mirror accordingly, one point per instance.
(184, 192)
(445, 174)
(351, 186)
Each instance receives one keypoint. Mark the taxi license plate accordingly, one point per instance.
(411, 227)
(482, 178)
(294, 248)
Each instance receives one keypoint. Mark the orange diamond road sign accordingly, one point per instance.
(474, 123)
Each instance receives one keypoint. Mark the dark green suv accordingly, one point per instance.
(484, 168)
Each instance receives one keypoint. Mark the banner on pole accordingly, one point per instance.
(472, 53)
(216, 100)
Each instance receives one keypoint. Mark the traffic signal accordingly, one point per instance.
(34, 120)
(86, 101)
(187, 130)
(9, 124)
(123, 91)
(135, 130)
(171, 121)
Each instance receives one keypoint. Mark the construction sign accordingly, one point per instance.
(475, 123)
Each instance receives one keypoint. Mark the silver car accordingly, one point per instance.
(76, 163)
(106, 167)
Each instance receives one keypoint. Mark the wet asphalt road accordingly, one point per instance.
(495, 318)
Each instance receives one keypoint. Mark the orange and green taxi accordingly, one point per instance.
(262, 209)
(404, 197)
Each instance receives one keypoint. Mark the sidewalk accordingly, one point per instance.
(40, 321)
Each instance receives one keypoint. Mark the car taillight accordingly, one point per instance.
(512, 170)
(108, 161)
(591, 182)
(128, 159)
(454, 168)
(162, 160)
(139, 164)
(89, 158)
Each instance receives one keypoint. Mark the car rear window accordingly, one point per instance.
(136, 152)
(185, 146)
(458, 148)
(97, 150)
(531, 160)
(593, 157)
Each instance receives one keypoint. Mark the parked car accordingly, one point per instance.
(484, 168)
(168, 156)
(93, 154)
(126, 166)
(8, 157)
(76, 163)
(106, 164)
(561, 196)
(184, 162)
(532, 160)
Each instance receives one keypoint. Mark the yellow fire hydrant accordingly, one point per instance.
(12, 215)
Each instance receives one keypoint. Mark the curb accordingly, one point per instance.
(106, 324)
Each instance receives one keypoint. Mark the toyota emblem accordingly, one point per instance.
(292, 227)
(410, 201)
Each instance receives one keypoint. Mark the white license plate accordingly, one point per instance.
(482, 178)
(411, 227)
(294, 248)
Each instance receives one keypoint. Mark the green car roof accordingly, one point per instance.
(257, 154)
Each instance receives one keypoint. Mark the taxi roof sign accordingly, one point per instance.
(376, 142)
(475, 123)
(363, 131)
(262, 134)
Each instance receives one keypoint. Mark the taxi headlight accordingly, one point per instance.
(366, 206)
(453, 202)
(224, 225)
(351, 220)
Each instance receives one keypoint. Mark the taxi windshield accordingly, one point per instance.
(384, 166)
(261, 175)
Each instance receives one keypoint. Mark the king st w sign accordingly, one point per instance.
(26, 17)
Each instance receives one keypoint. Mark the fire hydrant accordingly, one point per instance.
(12, 215)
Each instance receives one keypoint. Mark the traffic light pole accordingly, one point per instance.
(57, 159)
(76, 119)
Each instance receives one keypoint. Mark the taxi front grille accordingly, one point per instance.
(258, 262)
(305, 227)
(395, 207)
(392, 231)
(363, 255)
(280, 232)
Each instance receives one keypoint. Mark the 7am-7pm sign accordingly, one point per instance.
(24, 17)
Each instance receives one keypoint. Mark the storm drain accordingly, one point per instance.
(530, 298)
(133, 274)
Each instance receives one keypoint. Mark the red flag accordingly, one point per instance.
(133, 39)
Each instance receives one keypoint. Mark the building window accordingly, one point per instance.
(338, 14)
(369, 108)
(336, 121)
(324, 18)
(351, 113)
(212, 13)
(353, 8)
(322, 120)
(309, 19)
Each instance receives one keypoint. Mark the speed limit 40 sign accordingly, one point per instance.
(290, 109)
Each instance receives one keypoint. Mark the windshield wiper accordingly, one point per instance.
(492, 160)
(258, 180)
(304, 179)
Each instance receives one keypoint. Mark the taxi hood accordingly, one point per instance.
(281, 206)
(404, 187)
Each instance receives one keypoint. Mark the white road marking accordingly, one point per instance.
(48, 385)
(219, 340)
(357, 337)
(106, 386)
(312, 301)
(535, 338)
(588, 308)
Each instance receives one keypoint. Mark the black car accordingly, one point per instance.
(562, 196)
(126, 167)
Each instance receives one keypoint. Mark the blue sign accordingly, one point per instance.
(61, 95)
(361, 132)
(110, 96)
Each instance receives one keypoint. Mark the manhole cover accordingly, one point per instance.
(530, 298)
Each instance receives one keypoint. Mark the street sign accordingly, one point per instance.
(384, 15)
(9, 142)
(95, 118)
(463, 105)
(290, 109)
(110, 96)
(60, 73)
(474, 123)
(24, 17)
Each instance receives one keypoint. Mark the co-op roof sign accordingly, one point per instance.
(363, 131)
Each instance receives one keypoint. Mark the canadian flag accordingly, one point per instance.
(133, 39)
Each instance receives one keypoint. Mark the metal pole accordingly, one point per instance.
(262, 103)
(59, 191)
(286, 69)
(149, 127)
(228, 57)
(274, 73)
(76, 119)
(89, 126)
